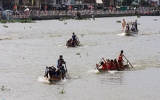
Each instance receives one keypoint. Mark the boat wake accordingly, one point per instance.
(122, 34)
(43, 79)
(5, 38)
(93, 71)
(112, 72)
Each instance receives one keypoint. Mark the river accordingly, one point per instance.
(26, 49)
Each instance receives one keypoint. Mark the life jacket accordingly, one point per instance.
(112, 65)
(120, 57)
(109, 65)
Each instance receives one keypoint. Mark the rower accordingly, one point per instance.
(50, 70)
(103, 66)
(116, 64)
(60, 61)
(133, 27)
(120, 59)
(112, 65)
(74, 39)
(135, 24)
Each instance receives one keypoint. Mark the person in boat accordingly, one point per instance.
(69, 42)
(103, 65)
(108, 64)
(50, 70)
(60, 61)
(133, 27)
(135, 24)
(123, 24)
(74, 39)
(127, 27)
(112, 65)
(61, 69)
(120, 59)
(116, 64)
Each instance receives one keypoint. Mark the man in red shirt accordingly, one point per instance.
(103, 65)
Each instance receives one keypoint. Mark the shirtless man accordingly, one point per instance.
(123, 24)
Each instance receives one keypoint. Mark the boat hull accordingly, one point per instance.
(77, 43)
(120, 69)
(54, 78)
(128, 33)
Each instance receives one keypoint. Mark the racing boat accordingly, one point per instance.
(129, 32)
(114, 69)
(70, 43)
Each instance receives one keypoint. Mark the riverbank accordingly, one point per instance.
(46, 15)
(26, 49)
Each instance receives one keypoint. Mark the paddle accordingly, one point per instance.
(78, 40)
(128, 61)
(67, 75)
(66, 67)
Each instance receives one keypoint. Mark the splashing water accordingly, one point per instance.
(43, 79)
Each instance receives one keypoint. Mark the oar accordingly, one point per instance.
(66, 67)
(67, 75)
(128, 61)
(78, 40)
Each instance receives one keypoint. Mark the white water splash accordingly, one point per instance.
(112, 72)
(42, 79)
(93, 71)
(122, 34)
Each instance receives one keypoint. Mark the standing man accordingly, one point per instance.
(135, 24)
(120, 59)
(74, 39)
(123, 24)
(60, 61)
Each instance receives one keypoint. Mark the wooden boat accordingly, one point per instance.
(70, 43)
(115, 69)
(61, 76)
(129, 33)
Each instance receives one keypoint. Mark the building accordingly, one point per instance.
(106, 3)
(9, 4)
(0, 3)
(55, 4)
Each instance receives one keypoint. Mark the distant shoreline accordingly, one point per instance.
(48, 17)
(84, 14)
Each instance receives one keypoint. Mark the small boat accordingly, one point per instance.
(53, 77)
(114, 69)
(129, 32)
(70, 43)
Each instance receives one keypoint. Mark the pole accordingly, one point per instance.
(128, 61)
